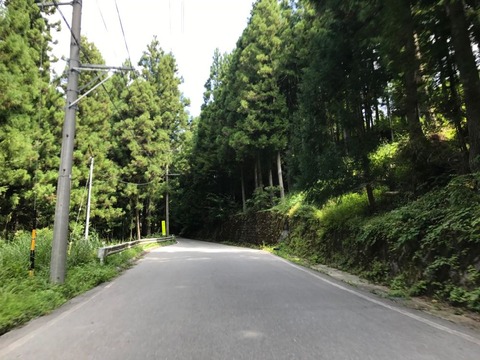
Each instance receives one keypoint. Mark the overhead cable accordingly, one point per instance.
(82, 51)
(123, 32)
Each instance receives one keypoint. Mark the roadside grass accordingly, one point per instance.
(426, 247)
(284, 253)
(23, 298)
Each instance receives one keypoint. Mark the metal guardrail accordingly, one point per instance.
(103, 252)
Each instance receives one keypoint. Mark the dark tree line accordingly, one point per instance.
(333, 96)
(323, 97)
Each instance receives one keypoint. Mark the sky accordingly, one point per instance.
(190, 29)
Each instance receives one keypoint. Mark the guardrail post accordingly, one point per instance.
(101, 255)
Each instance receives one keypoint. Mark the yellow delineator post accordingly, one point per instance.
(164, 228)
(32, 252)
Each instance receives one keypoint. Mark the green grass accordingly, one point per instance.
(285, 253)
(23, 298)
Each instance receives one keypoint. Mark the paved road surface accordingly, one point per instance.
(199, 300)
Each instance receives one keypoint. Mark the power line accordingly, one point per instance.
(66, 23)
(136, 184)
(101, 15)
(123, 32)
(182, 20)
(106, 27)
(82, 51)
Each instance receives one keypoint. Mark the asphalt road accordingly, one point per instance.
(197, 300)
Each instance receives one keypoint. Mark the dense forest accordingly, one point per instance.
(331, 97)
(321, 98)
(134, 127)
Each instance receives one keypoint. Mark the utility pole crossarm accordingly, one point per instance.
(89, 91)
(90, 67)
(93, 67)
(44, 4)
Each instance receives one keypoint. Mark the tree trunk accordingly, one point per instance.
(270, 183)
(408, 64)
(259, 173)
(411, 76)
(132, 227)
(148, 218)
(377, 113)
(455, 107)
(137, 216)
(244, 203)
(468, 76)
(280, 176)
(368, 112)
(346, 141)
(371, 197)
(474, 19)
(270, 176)
(389, 115)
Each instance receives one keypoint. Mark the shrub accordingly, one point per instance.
(431, 246)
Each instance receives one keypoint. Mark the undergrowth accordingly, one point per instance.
(23, 298)
(431, 246)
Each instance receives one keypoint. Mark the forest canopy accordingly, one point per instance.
(319, 97)
(331, 97)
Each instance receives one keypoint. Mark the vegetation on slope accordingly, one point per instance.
(430, 246)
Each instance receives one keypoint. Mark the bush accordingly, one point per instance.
(325, 234)
(429, 247)
(433, 240)
(344, 210)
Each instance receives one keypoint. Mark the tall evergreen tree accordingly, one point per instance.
(151, 124)
(260, 130)
(94, 139)
(469, 76)
(24, 78)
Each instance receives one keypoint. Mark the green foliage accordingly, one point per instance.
(335, 87)
(349, 96)
(384, 164)
(427, 247)
(263, 198)
(150, 127)
(398, 286)
(290, 204)
(25, 94)
(377, 272)
(346, 208)
(130, 128)
(23, 298)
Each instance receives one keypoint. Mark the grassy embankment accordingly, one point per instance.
(23, 298)
(430, 246)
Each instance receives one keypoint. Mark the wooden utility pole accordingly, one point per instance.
(60, 227)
